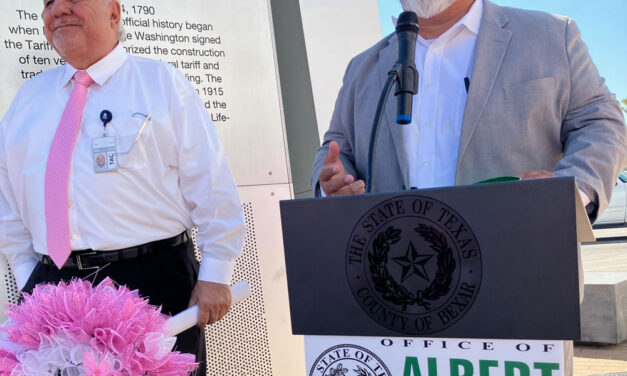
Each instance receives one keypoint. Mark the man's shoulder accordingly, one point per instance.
(531, 28)
(149, 63)
(45, 78)
(531, 18)
(370, 57)
(375, 49)
(168, 76)
(40, 84)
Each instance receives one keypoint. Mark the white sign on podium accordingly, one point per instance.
(373, 356)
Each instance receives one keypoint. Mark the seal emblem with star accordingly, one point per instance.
(414, 265)
(349, 360)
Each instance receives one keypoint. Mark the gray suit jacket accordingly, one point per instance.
(536, 101)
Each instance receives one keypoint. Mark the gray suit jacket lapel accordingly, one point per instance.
(492, 43)
(387, 58)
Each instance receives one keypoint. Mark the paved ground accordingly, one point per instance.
(600, 360)
(603, 256)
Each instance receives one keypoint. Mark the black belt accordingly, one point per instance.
(90, 259)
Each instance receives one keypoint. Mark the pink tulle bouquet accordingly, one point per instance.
(74, 329)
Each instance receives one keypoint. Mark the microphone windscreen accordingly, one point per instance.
(407, 21)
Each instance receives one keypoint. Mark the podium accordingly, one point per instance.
(431, 274)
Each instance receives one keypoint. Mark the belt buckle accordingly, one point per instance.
(80, 263)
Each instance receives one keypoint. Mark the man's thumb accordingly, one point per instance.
(333, 154)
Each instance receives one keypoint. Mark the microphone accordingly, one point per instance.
(405, 75)
(407, 33)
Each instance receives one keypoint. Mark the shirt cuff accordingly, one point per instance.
(23, 272)
(584, 197)
(216, 270)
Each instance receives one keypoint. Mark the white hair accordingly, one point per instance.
(426, 8)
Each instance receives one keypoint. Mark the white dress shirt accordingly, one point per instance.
(172, 175)
(432, 138)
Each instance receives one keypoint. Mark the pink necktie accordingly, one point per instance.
(58, 172)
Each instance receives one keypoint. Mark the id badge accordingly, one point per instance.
(104, 154)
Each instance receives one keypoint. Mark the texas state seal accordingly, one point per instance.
(413, 265)
(349, 360)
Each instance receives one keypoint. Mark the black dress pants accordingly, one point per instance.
(165, 277)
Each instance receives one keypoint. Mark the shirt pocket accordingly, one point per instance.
(131, 139)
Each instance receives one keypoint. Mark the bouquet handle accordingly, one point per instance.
(188, 318)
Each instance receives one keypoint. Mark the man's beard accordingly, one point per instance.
(426, 8)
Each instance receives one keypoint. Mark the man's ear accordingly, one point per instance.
(115, 17)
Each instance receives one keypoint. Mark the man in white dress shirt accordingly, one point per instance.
(165, 173)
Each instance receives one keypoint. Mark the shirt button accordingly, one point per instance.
(425, 164)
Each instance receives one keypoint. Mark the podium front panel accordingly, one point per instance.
(481, 261)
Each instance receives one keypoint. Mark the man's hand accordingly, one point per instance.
(333, 178)
(213, 299)
(536, 174)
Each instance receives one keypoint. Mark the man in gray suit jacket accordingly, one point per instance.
(535, 107)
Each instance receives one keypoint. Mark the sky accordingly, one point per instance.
(603, 25)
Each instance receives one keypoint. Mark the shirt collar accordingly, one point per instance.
(472, 19)
(102, 69)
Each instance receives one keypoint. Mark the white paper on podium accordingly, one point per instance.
(188, 318)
